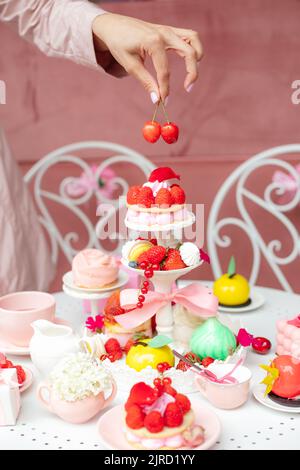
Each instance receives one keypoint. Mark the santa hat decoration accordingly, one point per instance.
(162, 174)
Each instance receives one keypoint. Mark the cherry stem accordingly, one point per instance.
(165, 112)
(155, 111)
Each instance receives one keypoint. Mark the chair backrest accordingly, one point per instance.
(268, 200)
(68, 155)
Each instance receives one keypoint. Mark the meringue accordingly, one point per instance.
(189, 253)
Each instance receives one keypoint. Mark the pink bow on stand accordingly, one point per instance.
(101, 186)
(195, 297)
(289, 184)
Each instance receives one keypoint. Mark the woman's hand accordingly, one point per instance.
(123, 43)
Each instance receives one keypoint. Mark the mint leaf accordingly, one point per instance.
(159, 341)
(231, 267)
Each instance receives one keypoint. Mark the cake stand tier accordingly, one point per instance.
(161, 228)
(163, 282)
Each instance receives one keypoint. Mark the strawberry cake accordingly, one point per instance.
(288, 337)
(159, 204)
(159, 418)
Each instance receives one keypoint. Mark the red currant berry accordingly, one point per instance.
(166, 366)
(167, 381)
(160, 367)
(141, 298)
(146, 283)
(157, 382)
(148, 273)
(144, 265)
(139, 305)
(155, 267)
(144, 290)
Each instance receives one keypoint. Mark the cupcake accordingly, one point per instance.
(232, 289)
(159, 418)
(93, 269)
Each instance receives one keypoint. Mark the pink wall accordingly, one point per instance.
(240, 105)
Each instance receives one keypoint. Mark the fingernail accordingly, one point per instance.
(154, 97)
(166, 101)
(189, 88)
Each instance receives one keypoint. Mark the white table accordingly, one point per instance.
(252, 426)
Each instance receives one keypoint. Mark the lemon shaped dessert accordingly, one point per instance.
(141, 355)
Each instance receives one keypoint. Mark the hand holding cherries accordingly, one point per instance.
(152, 130)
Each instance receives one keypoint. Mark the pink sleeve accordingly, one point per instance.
(59, 28)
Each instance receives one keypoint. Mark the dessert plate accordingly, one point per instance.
(259, 393)
(257, 301)
(110, 428)
(121, 281)
(28, 381)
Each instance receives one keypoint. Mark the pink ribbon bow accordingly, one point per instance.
(89, 182)
(295, 322)
(289, 184)
(196, 298)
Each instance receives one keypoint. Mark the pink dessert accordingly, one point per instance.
(288, 337)
(93, 269)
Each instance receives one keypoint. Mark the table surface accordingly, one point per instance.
(252, 426)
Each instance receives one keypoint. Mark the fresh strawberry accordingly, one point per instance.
(164, 198)
(20, 374)
(170, 390)
(178, 194)
(182, 366)
(142, 394)
(156, 254)
(207, 360)
(183, 402)
(135, 417)
(173, 416)
(143, 257)
(145, 197)
(112, 345)
(154, 422)
(162, 174)
(173, 260)
(132, 195)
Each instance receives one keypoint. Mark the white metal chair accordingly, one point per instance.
(36, 177)
(237, 183)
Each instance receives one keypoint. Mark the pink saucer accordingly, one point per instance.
(28, 381)
(110, 428)
(12, 349)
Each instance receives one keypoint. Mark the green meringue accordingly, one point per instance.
(213, 339)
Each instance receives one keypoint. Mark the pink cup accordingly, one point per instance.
(226, 396)
(19, 310)
(76, 412)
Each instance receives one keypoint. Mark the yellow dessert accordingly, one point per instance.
(140, 247)
(141, 355)
(232, 289)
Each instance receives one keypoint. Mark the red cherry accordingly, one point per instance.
(160, 367)
(139, 305)
(141, 298)
(148, 273)
(146, 284)
(261, 345)
(144, 290)
(151, 131)
(157, 382)
(143, 265)
(170, 132)
(155, 267)
(167, 381)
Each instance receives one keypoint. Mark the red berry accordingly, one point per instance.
(166, 365)
(178, 194)
(143, 265)
(7, 365)
(135, 417)
(148, 273)
(20, 374)
(111, 357)
(132, 194)
(103, 357)
(146, 283)
(182, 366)
(173, 416)
(154, 422)
(206, 361)
(173, 260)
(160, 367)
(157, 382)
(112, 345)
(118, 355)
(139, 305)
(156, 254)
(170, 390)
(164, 198)
(167, 381)
(155, 267)
(141, 298)
(183, 402)
(170, 132)
(145, 197)
(144, 290)
(153, 241)
(151, 131)
(261, 345)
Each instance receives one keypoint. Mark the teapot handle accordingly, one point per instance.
(112, 395)
(43, 386)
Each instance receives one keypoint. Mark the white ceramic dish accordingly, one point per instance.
(121, 281)
(259, 393)
(257, 301)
